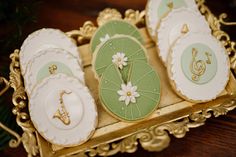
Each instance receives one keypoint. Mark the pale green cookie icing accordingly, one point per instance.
(199, 63)
(112, 28)
(165, 6)
(148, 86)
(132, 49)
(60, 68)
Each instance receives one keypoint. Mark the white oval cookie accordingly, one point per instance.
(198, 67)
(43, 39)
(177, 23)
(63, 111)
(49, 62)
(157, 9)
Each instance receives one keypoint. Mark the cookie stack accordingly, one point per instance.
(197, 63)
(129, 88)
(60, 104)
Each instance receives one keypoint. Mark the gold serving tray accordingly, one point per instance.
(174, 115)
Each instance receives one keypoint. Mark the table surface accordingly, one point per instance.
(215, 139)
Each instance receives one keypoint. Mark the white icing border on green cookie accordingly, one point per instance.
(188, 89)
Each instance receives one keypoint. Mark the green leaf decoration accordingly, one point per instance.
(114, 27)
(132, 49)
(141, 75)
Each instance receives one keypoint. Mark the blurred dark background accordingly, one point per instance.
(18, 18)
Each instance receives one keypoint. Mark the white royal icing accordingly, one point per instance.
(187, 88)
(128, 93)
(120, 59)
(46, 56)
(152, 18)
(79, 104)
(43, 39)
(172, 25)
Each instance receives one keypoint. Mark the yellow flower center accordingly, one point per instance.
(128, 93)
(119, 59)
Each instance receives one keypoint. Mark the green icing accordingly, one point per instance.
(112, 28)
(163, 8)
(199, 74)
(61, 68)
(131, 48)
(148, 86)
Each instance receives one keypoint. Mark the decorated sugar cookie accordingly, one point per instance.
(198, 67)
(177, 23)
(63, 111)
(111, 28)
(157, 9)
(49, 62)
(132, 99)
(120, 50)
(43, 39)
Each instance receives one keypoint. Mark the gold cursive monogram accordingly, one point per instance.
(198, 67)
(52, 69)
(61, 112)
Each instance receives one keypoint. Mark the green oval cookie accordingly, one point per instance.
(129, 46)
(147, 83)
(112, 28)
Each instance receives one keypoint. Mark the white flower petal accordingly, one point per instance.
(121, 92)
(122, 55)
(121, 66)
(122, 98)
(136, 94)
(127, 100)
(119, 59)
(134, 88)
(129, 85)
(133, 100)
(105, 38)
(123, 87)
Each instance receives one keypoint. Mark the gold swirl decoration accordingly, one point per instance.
(198, 67)
(135, 17)
(84, 34)
(156, 138)
(215, 24)
(22, 118)
(108, 14)
(4, 82)
(153, 138)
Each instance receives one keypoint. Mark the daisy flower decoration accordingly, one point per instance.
(120, 59)
(128, 93)
(105, 38)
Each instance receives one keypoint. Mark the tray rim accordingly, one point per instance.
(146, 137)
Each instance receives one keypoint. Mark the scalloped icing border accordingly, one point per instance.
(128, 144)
